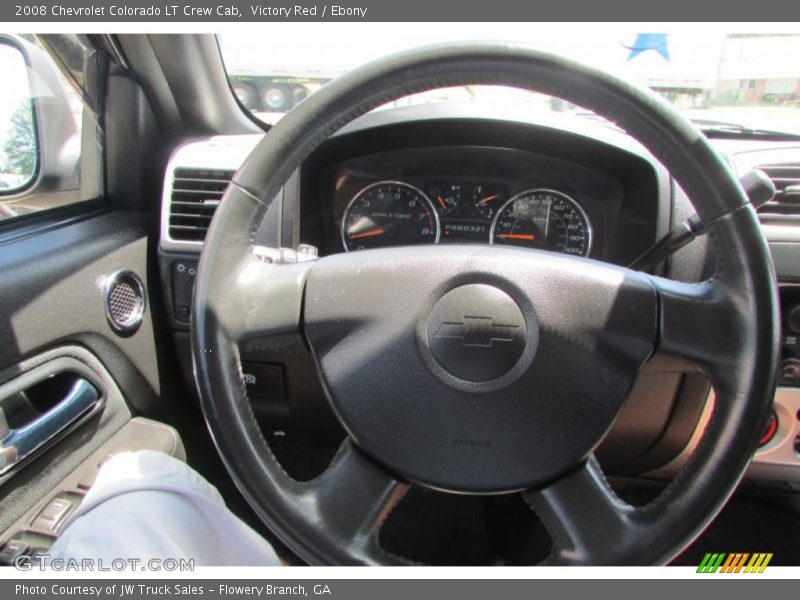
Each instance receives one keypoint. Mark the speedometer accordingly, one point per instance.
(543, 219)
(389, 213)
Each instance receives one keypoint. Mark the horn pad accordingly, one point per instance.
(476, 332)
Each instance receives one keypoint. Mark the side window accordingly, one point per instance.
(18, 134)
(44, 162)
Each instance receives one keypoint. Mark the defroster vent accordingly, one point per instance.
(196, 193)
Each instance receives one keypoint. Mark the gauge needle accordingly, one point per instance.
(516, 236)
(547, 220)
(370, 233)
(444, 206)
(488, 199)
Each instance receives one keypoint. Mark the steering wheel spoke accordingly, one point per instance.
(584, 517)
(357, 495)
(263, 298)
(701, 324)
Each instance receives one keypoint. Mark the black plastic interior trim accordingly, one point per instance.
(17, 228)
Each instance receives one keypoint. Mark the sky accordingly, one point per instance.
(691, 55)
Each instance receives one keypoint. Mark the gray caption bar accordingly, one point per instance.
(240, 11)
(730, 588)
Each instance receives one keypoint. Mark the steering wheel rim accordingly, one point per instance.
(335, 519)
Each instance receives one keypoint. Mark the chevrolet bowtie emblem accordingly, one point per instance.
(477, 331)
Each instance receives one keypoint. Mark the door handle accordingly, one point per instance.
(41, 420)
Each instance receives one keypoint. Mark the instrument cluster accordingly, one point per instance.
(397, 213)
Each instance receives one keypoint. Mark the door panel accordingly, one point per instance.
(51, 287)
(51, 306)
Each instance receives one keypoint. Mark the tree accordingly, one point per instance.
(20, 146)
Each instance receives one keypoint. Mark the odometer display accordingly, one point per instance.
(389, 213)
(543, 219)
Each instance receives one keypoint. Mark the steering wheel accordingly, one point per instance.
(556, 341)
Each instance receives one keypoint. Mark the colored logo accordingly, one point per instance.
(657, 42)
(737, 562)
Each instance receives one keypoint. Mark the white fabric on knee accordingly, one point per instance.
(148, 505)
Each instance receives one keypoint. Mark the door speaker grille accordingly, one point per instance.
(124, 301)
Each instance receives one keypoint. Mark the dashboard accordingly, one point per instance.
(476, 182)
(430, 175)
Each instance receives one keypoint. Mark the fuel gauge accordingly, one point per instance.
(487, 197)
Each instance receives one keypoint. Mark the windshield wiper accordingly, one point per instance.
(712, 128)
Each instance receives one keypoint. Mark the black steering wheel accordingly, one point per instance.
(523, 414)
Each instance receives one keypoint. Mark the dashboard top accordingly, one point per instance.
(423, 126)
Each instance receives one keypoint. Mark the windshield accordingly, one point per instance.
(726, 82)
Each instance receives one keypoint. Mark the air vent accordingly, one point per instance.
(196, 193)
(785, 206)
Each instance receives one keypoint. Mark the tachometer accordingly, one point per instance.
(544, 219)
(389, 213)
